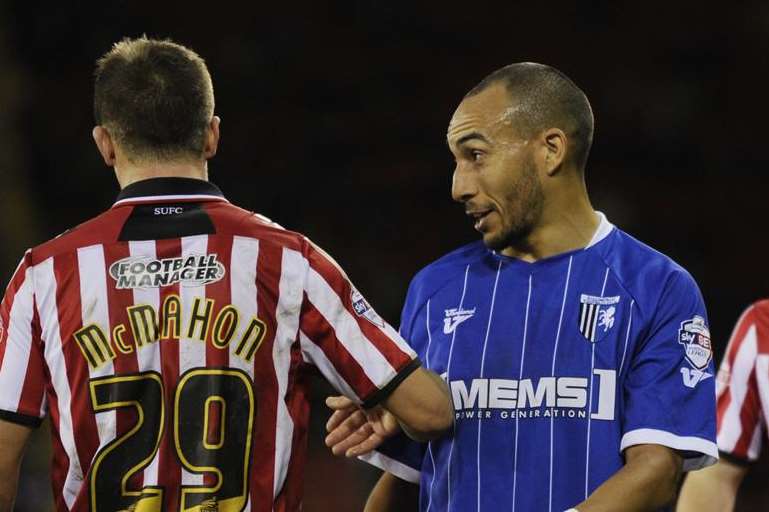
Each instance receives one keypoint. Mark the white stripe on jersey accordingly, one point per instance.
(483, 362)
(243, 291)
(627, 338)
(192, 352)
(93, 302)
(430, 444)
(590, 396)
(520, 376)
(348, 332)
(45, 281)
(731, 425)
(148, 356)
(293, 268)
(18, 346)
(555, 353)
(448, 379)
(762, 377)
(167, 198)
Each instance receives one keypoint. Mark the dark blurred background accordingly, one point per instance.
(334, 120)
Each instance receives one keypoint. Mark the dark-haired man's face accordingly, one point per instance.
(495, 175)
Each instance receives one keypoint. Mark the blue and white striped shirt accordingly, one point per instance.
(555, 367)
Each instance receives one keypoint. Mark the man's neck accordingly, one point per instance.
(568, 227)
(127, 175)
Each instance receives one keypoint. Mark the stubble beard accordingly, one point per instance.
(525, 203)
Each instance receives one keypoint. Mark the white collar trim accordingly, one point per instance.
(604, 228)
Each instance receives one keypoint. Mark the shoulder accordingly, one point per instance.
(444, 270)
(98, 230)
(233, 220)
(757, 314)
(646, 273)
(630, 257)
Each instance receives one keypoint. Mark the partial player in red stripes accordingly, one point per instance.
(169, 338)
(743, 407)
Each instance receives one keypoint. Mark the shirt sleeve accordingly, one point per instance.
(400, 455)
(22, 374)
(741, 379)
(361, 355)
(670, 390)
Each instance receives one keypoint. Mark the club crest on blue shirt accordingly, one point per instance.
(362, 308)
(694, 335)
(596, 316)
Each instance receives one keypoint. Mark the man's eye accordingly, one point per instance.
(476, 155)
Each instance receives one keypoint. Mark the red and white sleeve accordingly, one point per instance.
(361, 355)
(742, 387)
(22, 374)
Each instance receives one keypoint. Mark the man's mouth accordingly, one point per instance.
(479, 216)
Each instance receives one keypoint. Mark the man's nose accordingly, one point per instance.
(463, 185)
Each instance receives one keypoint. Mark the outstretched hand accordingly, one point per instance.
(354, 431)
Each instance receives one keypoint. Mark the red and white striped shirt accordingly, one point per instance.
(169, 339)
(743, 386)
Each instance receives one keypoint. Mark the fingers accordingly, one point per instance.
(337, 418)
(339, 402)
(371, 443)
(349, 434)
(346, 427)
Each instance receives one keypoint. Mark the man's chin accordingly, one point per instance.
(494, 242)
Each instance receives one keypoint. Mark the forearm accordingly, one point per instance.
(646, 482)
(422, 405)
(8, 485)
(13, 439)
(392, 494)
(713, 489)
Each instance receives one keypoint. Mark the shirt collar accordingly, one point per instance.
(169, 189)
(604, 228)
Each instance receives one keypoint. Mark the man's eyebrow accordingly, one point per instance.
(472, 136)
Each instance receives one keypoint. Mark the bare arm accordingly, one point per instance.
(646, 482)
(13, 440)
(713, 489)
(392, 494)
(422, 405)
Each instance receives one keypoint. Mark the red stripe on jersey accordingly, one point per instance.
(219, 291)
(124, 364)
(749, 418)
(68, 307)
(290, 497)
(268, 270)
(169, 469)
(59, 459)
(32, 392)
(342, 286)
(322, 333)
(762, 325)
(746, 321)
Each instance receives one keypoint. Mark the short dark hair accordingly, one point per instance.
(155, 97)
(546, 98)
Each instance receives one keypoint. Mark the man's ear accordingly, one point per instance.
(212, 138)
(104, 143)
(554, 150)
